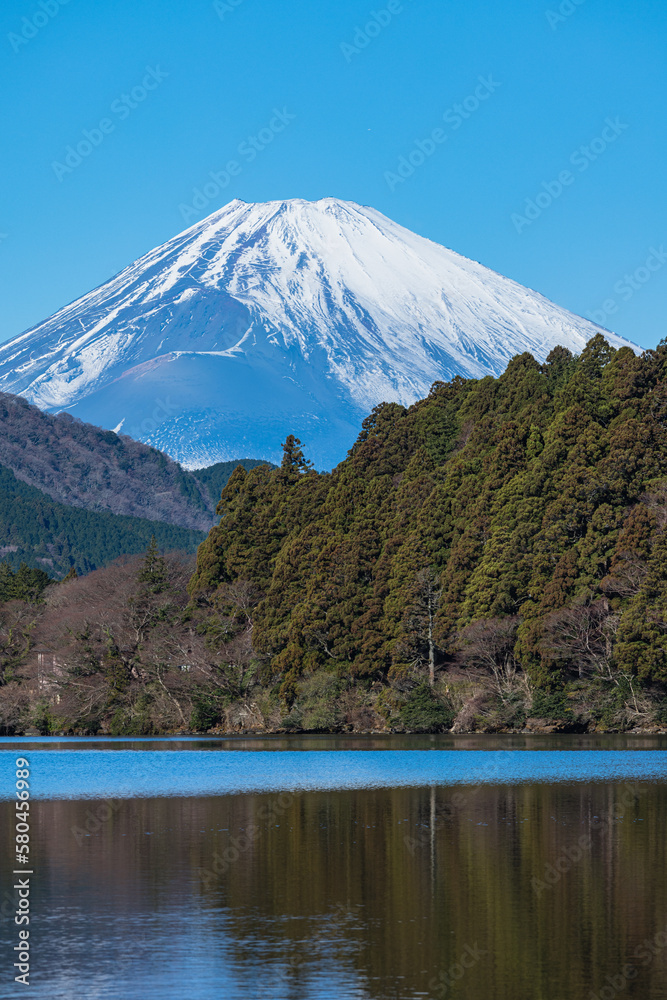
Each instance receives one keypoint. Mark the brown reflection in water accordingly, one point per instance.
(543, 890)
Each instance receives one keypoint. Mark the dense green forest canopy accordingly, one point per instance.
(25, 584)
(515, 524)
(492, 558)
(215, 477)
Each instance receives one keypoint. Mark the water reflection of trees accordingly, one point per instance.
(383, 890)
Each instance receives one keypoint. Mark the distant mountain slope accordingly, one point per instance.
(84, 466)
(54, 537)
(269, 319)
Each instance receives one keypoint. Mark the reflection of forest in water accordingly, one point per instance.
(372, 893)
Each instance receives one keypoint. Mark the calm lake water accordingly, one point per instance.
(530, 868)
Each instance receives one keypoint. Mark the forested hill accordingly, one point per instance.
(43, 534)
(515, 524)
(215, 477)
(81, 465)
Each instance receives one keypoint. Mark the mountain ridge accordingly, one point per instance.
(55, 537)
(283, 317)
(85, 467)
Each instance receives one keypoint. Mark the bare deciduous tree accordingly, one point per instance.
(582, 636)
(628, 575)
(418, 642)
(489, 644)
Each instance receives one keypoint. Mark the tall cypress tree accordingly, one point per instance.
(153, 574)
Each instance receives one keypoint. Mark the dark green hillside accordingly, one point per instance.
(215, 477)
(511, 526)
(44, 534)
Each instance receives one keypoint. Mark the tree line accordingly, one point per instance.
(512, 524)
(492, 557)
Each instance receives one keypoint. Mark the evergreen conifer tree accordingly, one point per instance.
(153, 574)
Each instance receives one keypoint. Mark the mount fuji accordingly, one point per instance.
(276, 318)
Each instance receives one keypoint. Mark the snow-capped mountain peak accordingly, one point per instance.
(286, 316)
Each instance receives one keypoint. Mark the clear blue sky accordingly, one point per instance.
(360, 102)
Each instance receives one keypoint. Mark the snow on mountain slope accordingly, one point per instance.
(267, 319)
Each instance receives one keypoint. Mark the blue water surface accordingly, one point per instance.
(144, 773)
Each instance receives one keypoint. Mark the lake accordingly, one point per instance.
(484, 868)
